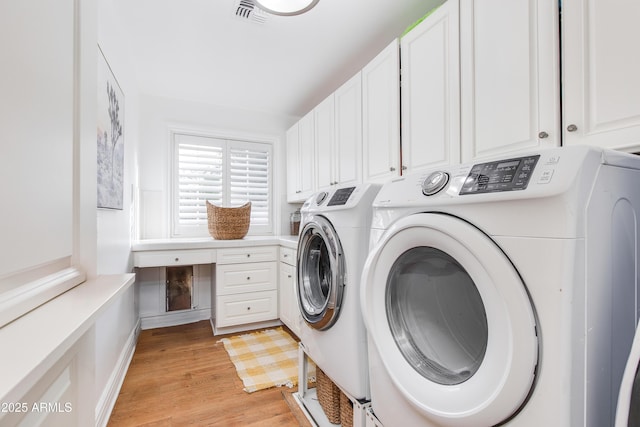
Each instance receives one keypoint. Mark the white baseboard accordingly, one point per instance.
(176, 318)
(244, 327)
(109, 395)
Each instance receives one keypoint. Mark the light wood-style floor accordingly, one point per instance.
(182, 376)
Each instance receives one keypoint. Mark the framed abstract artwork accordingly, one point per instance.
(110, 137)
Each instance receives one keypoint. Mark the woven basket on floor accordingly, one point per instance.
(346, 411)
(228, 223)
(328, 396)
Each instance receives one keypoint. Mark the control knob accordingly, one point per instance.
(434, 182)
(321, 197)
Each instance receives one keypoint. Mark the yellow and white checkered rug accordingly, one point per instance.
(265, 359)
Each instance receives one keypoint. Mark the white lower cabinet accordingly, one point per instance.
(245, 291)
(288, 301)
(240, 309)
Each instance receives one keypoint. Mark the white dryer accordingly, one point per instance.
(628, 410)
(334, 238)
(504, 292)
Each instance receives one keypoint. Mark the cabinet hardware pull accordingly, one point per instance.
(248, 255)
(289, 276)
(392, 169)
(572, 128)
(177, 259)
(404, 168)
(543, 135)
(248, 277)
(248, 308)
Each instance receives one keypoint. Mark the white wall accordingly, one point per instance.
(159, 115)
(117, 327)
(115, 226)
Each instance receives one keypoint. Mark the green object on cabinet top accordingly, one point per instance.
(415, 24)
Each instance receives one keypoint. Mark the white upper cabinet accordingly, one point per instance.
(300, 160)
(306, 141)
(431, 91)
(292, 143)
(509, 65)
(381, 115)
(601, 73)
(338, 124)
(324, 118)
(348, 132)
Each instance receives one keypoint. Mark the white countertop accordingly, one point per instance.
(211, 243)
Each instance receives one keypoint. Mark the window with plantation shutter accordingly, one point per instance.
(224, 172)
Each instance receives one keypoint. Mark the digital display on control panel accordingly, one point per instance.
(502, 175)
(341, 196)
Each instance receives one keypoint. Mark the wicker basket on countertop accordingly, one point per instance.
(228, 223)
(329, 396)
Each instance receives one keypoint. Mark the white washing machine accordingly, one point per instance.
(334, 238)
(504, 292)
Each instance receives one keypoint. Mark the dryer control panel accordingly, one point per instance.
(503, 175)
(341, 196)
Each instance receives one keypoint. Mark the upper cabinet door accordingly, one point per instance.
(509, 76)
(601, 73)
(325, 142)
(300, 160)
(348, 132)
(381, 115)
(292, 163)
(431, 91)
(306, 146)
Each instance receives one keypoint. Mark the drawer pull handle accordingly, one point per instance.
(289, 276)
(286, 255)
(248, 255)
(248, 308)
(248, 277)
(177, 259)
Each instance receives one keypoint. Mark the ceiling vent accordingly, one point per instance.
(247, 10)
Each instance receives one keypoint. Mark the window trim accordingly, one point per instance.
(236, 139)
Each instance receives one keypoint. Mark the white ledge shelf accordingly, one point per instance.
(33, 343)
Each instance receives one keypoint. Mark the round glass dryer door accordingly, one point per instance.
(436, 315)
(451, 320)
(320, 273)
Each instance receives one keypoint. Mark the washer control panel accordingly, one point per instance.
(341, 196)
(503, 175)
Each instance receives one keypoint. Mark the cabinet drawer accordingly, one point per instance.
(249, 277)
(246, 308)
(288, 256)
(247, 254)
(168, 258)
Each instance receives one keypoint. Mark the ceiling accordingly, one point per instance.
(199, 50)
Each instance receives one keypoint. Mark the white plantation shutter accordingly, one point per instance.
(224, 172)
(249, 180)
(200, 172)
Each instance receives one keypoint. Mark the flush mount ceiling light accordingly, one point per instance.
(286, 7)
